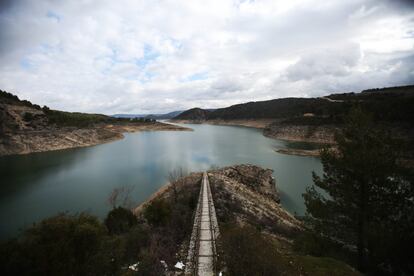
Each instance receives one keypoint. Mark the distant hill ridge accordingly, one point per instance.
(387, 104)
(196, 114)
(163, 116)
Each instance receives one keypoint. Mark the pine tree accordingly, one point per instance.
(364, 198)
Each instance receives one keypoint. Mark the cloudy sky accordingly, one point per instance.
(154, 56)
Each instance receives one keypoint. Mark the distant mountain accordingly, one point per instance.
(129, 115)
(165, 116)
(194, 114)
(387, 104)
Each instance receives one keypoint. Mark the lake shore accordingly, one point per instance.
(298, 152)
(259, 124)
(25, 142)
(271, 129)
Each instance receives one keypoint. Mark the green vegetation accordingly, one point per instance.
(247, 251)
(9, 98)
(64, 244)
(119, 220)
(367, 201)
(194, 114)
(67, 119)
(75, 119)
(83, 245)
(158, 212)
(381, 103)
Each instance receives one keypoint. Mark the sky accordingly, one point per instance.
(156, 56)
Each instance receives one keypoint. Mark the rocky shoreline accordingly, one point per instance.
(259, 124)
(298, 152)
(30, 141)
(28, 128)
(323, 134)
(273, 129)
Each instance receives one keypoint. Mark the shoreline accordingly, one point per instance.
(67, 138)
(263, 124)
(298, 152)
(258, 124)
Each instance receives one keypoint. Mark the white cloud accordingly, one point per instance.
(159, 56)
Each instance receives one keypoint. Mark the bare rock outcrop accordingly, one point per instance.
(258, 179)
(323, 134)
(247, 194)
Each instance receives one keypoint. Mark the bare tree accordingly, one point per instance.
(175, 177)
(121, 196)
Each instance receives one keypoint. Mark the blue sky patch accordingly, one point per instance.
(197, 76)
(149, 55)
(53, 15)
(26, 64)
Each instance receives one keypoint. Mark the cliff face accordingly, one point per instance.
(48, 140)
(25, 129)
(323, 134)
(14, 118)
(255, 178)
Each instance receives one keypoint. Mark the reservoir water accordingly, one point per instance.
(40, 185)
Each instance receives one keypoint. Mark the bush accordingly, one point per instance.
(309, 243)
(135, 240)
(119, 220)
(61, 245)
(158, 212)
(82, 245)
(74, 119)
(248, 253)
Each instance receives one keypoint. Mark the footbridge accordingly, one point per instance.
(202, 254)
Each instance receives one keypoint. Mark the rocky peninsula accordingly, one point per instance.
(249, 212)
(27, 128)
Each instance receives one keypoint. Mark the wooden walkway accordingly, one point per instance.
(202, 256)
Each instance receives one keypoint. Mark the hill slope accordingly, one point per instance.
(194, 114)
(26, 127)
(315, 119)
(329, 109)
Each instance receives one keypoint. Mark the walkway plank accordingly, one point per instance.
(201, 259)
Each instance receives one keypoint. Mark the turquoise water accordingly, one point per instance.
(39, 185)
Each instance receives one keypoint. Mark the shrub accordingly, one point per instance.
(248, 253)
(135, 240)
(74, 119)
(158, 212)
(119, 220)
(61, 245)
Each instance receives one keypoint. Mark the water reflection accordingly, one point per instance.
(39, 185)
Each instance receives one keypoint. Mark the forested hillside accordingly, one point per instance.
(381, 103)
